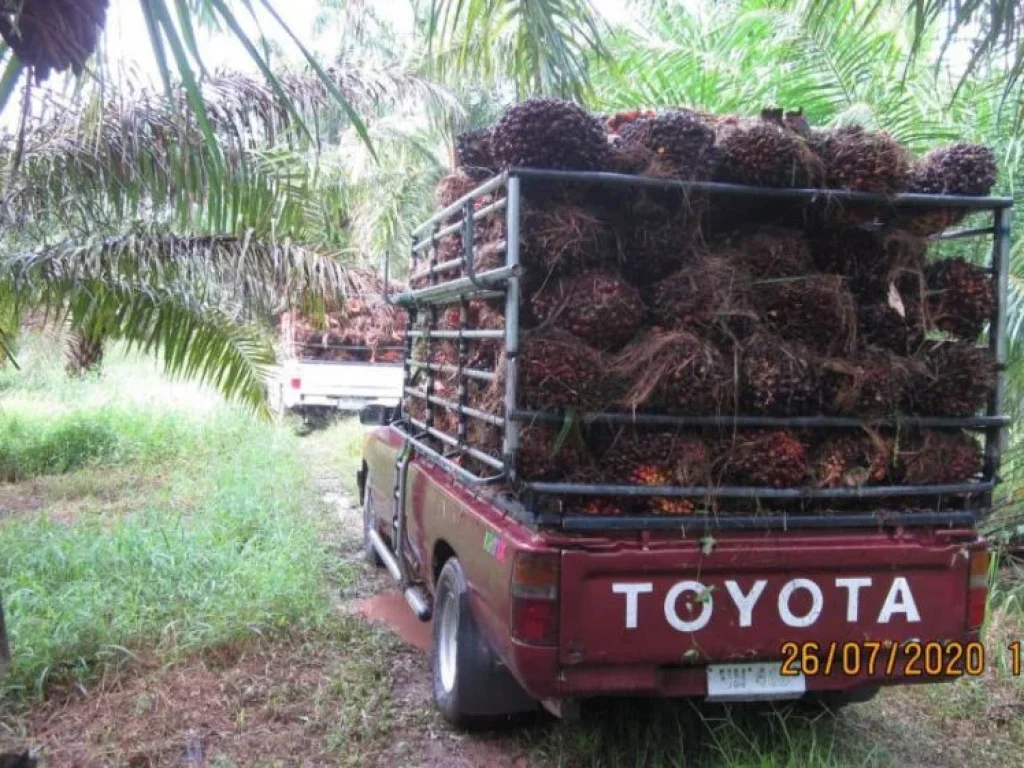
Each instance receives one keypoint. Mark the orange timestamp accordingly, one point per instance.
(905, 659)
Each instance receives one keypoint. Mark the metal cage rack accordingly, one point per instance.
(445, 290)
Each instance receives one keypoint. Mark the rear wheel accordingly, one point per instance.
(471, 687)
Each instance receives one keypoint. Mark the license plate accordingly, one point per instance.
(756, 681)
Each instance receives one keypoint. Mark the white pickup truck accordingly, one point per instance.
(318, 388)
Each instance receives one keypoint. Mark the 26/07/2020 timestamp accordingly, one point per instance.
(904, 659)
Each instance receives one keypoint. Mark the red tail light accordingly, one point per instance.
(535, 599)
(977, 594)
(296, 383)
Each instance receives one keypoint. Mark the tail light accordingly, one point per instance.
(296, 383)
(535, 599)
(977, 589)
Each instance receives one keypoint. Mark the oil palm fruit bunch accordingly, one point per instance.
(960, 298)
(680, 140)
(710, 294)
(863, 161)
(770, 252)
(474, 155)
(659, 459)
(853, 460)
(778, 378)
(817, 310)
(52, 35)
(775, 459)
(598, 307)
(934, 457)
(872, 383)
(951, 378)
(765, 154)
(548, 453)
(673, 372)
(564, 238)
(559, 372)
(655, 241)
(959, 169)
(549, 133)
(897, 325)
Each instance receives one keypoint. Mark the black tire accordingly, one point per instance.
(833, 701)
(472, 689)
(369, 553)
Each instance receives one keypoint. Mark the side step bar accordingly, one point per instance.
(415, 596)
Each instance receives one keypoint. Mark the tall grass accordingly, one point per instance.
(226, 545)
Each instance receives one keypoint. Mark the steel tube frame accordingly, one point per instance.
(505, 280)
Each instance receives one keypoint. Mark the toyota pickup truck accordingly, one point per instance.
(533, 608)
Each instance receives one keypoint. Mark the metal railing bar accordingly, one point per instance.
(958, 234)
(471, 334)
(445, 213)
(700, 523)
(445, 463)
(469, 373)
(745, 492)
(651, 419)
(444, 437)
(455, 289)
(902, 200)
(455, 407)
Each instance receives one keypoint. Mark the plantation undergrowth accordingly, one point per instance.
(213, 539)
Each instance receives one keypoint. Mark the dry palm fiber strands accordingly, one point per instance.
(959, 169)
(933, 457)
(769, 251)
(52, 35)
(549, 133)
(474, 155)
(681, 141)
(853, 459)
(817, 310)
(564, 238)
(873, 383)
(598, 307)
(658, 459)
(951, 378)
(863, 161)
(710, 296)
(961, 299)
(778, 378)
(674, 372)
(764, 153)
(557, 372)
(768, 459)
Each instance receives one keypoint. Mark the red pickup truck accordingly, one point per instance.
(532, 608)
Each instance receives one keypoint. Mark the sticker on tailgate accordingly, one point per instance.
(689, 605)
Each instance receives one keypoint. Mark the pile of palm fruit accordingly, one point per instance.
(660, 300)
(358, 326)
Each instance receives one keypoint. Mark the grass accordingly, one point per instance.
(223, 546)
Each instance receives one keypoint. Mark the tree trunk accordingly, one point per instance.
(85, 353)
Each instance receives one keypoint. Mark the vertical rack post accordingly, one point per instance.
(510, 445)
(431, 327)
(995, 437)
(468, 254)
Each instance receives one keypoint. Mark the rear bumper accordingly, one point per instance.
(537, 669)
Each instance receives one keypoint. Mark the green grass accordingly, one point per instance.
(226, 544)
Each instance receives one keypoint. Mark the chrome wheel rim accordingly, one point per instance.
(447, 641)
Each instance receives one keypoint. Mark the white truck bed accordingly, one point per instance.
(319, 385)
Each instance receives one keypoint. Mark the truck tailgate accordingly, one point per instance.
(673, 604)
